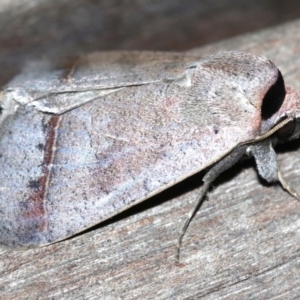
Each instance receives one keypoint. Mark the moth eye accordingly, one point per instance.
(287, 130)
(274, 98)
(1, 110)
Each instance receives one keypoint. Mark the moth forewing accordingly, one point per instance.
(77, 152)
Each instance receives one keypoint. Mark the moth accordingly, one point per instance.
(77, 148)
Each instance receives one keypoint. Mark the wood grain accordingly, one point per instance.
(62, 30)
(242, 244)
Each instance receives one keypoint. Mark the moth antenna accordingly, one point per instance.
(286, 187)
(224, 164)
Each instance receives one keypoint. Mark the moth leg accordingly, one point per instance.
(266, 162)
(212, 174)
(286, 187)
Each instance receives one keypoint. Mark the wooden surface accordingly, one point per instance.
(242, 244)
(61, 30)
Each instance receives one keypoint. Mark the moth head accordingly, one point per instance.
(289, 116)
(289, 131)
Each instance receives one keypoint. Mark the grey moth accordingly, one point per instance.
(80, 148)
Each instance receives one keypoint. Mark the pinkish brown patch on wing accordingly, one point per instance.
(34, 208)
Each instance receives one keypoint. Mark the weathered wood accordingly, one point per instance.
(243, 242)
(61, 30)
